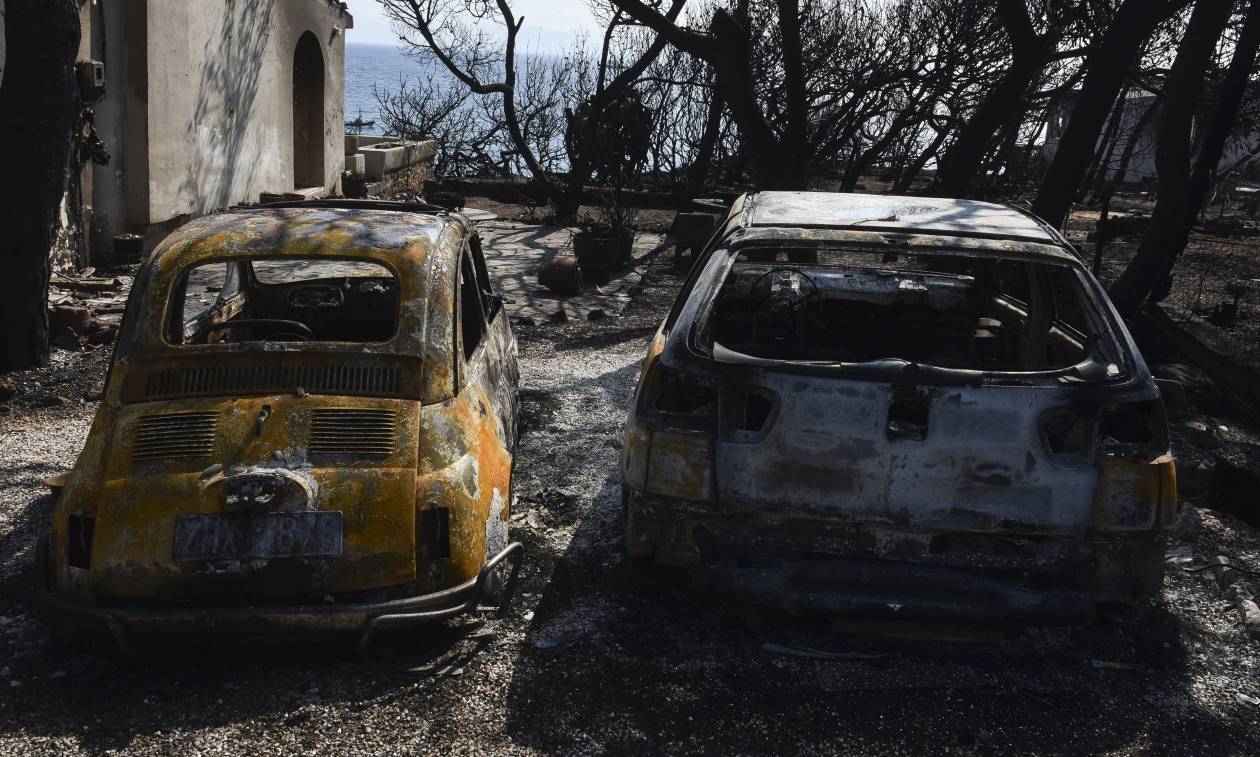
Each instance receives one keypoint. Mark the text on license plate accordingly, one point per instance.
(245, 536)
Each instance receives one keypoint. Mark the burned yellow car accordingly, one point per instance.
(899, 408)
(309, 421)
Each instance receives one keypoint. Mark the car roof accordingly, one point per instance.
(406, 236)
(917, 215)
(421, 246)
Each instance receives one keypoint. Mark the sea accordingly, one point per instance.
(387, 66)
(384, 66)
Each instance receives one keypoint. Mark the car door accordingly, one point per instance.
(502, 368)
(485, 410)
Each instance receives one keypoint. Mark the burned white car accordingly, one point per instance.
(901, 408)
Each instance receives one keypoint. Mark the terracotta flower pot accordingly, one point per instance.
(561, 275)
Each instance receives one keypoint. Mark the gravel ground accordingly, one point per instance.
(599, 657)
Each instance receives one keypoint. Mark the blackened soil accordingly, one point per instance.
(537, 409)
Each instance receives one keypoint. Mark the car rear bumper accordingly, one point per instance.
(126, 625)
(882, 571)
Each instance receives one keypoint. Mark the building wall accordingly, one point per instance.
(1141, 165)
(199, 113)
(105, 36)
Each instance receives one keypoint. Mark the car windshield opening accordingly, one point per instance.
(283, 300)
(972, 312)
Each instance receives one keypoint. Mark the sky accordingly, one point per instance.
(550, 25)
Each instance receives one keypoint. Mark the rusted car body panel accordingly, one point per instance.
(376, 476)
(889, 487)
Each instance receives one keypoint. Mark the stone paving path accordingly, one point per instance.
(515, 251)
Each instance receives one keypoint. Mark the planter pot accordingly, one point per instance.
(561, 275)
(128, 248)
(354, 185)
(603, 248)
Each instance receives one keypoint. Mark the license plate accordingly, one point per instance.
(247, 536)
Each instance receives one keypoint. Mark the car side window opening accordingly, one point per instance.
(972, 312)
(203, 296)
(283, 300)
(1069, 310)
(203, 288)
(471, 315)
(1013, 278)
(489, 301)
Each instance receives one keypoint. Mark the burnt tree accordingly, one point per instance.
(1106, 69)
(795, 140)
(1182, 188)
(591, 115)
(469, 55)
(779, 162)
(39, 107)
(1030, 52)
(698, 172)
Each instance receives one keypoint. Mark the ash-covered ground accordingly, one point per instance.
(596, 656)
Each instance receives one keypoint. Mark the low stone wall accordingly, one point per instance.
(411, 179)
(388, 165)
(386, 158)
(522, 190)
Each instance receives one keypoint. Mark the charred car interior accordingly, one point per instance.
(294, 299)
(950, 311)
(284, 300)
(898, 408)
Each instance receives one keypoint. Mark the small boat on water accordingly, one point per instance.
(358, 124)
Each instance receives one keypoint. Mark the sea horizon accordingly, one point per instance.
(383, 65)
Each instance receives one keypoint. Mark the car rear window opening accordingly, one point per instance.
(283, 300)
(982, 312)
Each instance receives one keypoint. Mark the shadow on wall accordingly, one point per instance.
(227, 93)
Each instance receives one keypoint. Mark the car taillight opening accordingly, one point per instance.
(679, 400)
(1129, 430)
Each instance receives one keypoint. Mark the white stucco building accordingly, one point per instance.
(209, 103)
(1239, 150)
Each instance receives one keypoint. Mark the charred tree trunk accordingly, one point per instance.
(773, 166)
(911, 171)
(1029, 54)
(796, 140)
(698, 172)
(1107, 66)
(39, 105)
(728, 49)
(1182, 191)
(583, 164)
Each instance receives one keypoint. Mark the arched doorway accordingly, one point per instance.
(308, 113)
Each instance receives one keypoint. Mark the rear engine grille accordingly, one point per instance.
(344, 378)
(363, 434)
(172, 435)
